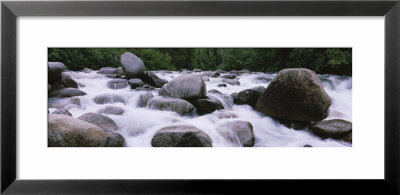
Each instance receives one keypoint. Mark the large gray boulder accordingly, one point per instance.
(66, 131)
(248, 96)
(153, 80)
(181, 136)
(66, 92)
(108, 99)
(54, 71)
(112, 110)
(132, 65)
(336, 128)
(104, 122)
(185, 87)
(179, 106)
(117, 84)
(295, 95)
(240, 132)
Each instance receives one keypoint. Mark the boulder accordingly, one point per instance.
(336, 128)
(181, 136)
(214, 91)
(249, 96)
(62, 112)
(67, 81)
(104, 122)
(66, 92)
(185, 87)
(152, 79)
(231, 81)
(115, 140)
(132, 65)
(179, 106)
(295, 95)
(117, 84)
(113, 110)
(66, 131)
(108, 99)
(229, 76)
(119, 72)
(106, 70)
(240, 132)
(221, 85)
(144, 98)
(54, 71)
(297, 125)
(348, 138)
(206, 106)
(135, 83)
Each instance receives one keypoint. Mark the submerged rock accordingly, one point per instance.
(181, 136)
(185, 87)
(221, 85)
(104, 122)
(179, 106)
(132, 65)
(117, 84)
(111, 110)
(108, 99)
(295, 95)
(240, 132)
(214, 91)
(66, 92)
(336, 128)
(62, 112)
(144, 98)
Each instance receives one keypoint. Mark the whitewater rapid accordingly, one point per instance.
(138, 125)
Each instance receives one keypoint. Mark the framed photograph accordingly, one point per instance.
(221, 97)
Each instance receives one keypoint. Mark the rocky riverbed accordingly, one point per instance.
(128, 106)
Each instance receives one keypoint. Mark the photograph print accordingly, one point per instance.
(199, 97)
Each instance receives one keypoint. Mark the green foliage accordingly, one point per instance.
(321, 60)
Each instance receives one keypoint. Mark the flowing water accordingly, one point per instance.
(138, 125)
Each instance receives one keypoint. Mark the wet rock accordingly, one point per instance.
(61, 103)
(66, 92)
(297, 125)
(179, 106)
(54, 71)
(117, 84)
(221, 85)
(185, 87)
(181, 136)
(66, 131)
(307, 146)
(295, 95)
(108, 99)
(119, 72)
(214, 91)
(132, 65)
(244, 72)
(206, 106)
(196, 70)
(187, 72)
(248, 96)
(135, 83)
(152, 79)
(145, 88)
(104, 122)
(106, 70)
(67, 81)
(75, 100)
(336, 128)
(348, 138)
(229, 76)
(238, 132)
(231, 81)
(220, 71)
(210, 74)
(62, 112)
(113, 110)
(144, 98)
(115, 140)
(262, 79)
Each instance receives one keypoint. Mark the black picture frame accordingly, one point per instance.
(10, 10)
